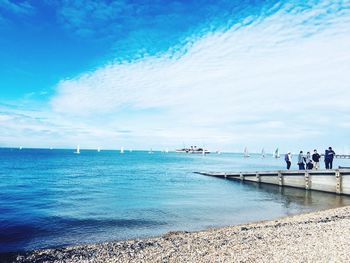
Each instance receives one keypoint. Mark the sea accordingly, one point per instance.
(53, 198)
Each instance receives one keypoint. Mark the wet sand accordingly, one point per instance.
(322, 236)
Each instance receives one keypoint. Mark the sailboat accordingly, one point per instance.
(151, 151)
(246, 153)
(98, 149)
(276, 154)
(77, 150)
(20, 147)
(263, 153)
(122, 150)
(166, 150)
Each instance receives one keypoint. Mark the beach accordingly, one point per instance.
(321, 236)
(174, 131)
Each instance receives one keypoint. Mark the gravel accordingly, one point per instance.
(315, 237)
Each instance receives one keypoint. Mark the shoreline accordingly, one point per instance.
(315, 236)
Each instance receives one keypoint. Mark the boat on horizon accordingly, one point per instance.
(77, 151)
(193, 150)
(246, 153)
(276, 153)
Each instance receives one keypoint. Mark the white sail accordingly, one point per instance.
(166, 150)
(277, 153)
(246, 153)
(121, 150)
(77, 150)
(263, 153)
(98, 149)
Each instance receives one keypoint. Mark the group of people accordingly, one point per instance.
(309, 161)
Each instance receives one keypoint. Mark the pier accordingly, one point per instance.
(342, 156)
(332, 181)
(339, 156)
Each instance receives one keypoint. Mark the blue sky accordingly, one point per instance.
(225, 74)
(45, 41)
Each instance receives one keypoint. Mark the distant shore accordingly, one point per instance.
(313, 237)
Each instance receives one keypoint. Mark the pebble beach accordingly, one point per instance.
(321, 236)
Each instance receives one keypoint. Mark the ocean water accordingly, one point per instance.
(52, 198)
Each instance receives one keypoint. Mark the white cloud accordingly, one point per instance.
(281, 79)
(290, 68)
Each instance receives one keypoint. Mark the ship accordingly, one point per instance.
(193, 150)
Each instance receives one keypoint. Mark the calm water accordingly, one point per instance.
(50, 198)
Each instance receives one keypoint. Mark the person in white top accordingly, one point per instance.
(288, 159)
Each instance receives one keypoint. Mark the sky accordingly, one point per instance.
(140, 74)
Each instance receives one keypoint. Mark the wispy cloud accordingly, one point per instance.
(39, 127)
(91, 17)
(270, 78)
(16, 7)
(143, 27)
(278, 78)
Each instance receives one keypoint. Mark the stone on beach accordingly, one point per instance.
(315, 237)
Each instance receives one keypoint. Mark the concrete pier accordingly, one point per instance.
(342, 156)
(332, 181)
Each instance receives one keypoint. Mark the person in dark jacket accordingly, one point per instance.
(316, 159)
(301, 160)
(328, 158)
(309, 165)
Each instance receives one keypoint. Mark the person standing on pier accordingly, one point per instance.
(307, 157)
(308, 161)
(288, 159)
(301, 160)
(328, 158)
(316, 159)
